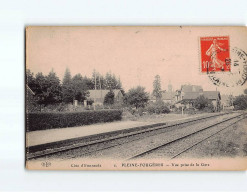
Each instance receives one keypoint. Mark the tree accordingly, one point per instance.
(109, 98)
(67, 89)
(201, 102)
(40, 88)
(30, 80)
(111, 82)
(240, 102)
(137, 97)
(157, 87)
(67, 77)
(95, 78)
(88, 82)
(79, 87)
(47, 89)
(53, 92)
(245, 91)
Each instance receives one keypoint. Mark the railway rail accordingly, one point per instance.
(119, 139)
(226, 124)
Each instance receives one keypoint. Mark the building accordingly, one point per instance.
(98, 96)
(189, 93)
(167, 96)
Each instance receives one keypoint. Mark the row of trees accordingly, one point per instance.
(49, 89)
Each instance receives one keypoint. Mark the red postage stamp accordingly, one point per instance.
(215, 54)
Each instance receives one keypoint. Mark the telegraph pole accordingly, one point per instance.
(95, 90)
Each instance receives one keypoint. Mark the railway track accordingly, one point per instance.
(121, 139)
(224, 125)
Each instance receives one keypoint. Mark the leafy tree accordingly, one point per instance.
(111, 82)
(67, 89)
(67, 77)
(157, 107)
(40, 88)
(79, 87)
(201, 102)
(240, 102)
(88, 82)
(108, 82)
(53, 93)
(30, 80)
(137, 97)
(157, 87)
(109, 98)
(47, 89)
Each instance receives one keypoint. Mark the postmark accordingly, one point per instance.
(215, 54)
(238, 74)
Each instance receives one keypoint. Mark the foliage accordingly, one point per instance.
(111, 82)
(240, 102)
(201, 102)
(30, 79)
(109, 98)
(67, 89)
(136, 97)
(41, 121)
(157, 107)
(49, 90)
(53, 93)
(90, 102)
(79, 88)
(157, 87)
(245, 91)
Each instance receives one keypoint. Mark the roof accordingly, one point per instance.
(102, 93)
(212, 95)
(168, 95)
(191, 95)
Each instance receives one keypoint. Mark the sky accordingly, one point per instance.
(135, 54)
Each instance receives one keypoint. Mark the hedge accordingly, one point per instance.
(42, 120)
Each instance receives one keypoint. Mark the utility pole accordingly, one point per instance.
(95, 90)
(101, 91)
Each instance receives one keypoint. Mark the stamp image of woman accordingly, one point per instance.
(213, 51)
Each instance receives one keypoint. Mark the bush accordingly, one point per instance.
(158, 107)
(240, 102)
(41, 121)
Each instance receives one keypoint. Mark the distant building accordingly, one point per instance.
(189, 93)
(186, 96)
(99, 95)
(169, 95)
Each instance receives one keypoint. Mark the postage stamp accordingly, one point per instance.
(215, 54)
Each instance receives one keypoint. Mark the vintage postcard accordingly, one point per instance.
(136, 98)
